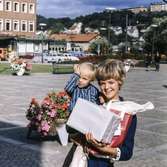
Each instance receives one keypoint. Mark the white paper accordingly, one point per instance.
(129, 107)
(89, 117)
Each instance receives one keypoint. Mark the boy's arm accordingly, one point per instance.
(94, 96)
(71, 84)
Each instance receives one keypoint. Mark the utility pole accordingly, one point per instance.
(109, 10)
(126, 35)
(42, 25)
(154, 26)
(109, 26)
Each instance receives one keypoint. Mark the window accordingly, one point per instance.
(24, 26)
(31, 26)
(15, 6)
(8, 25)
(15, 25)
(1, 5)
(24, 7)
(31, 8)
(1, 24)
(8, 5)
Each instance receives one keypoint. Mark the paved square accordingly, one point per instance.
(15, 95)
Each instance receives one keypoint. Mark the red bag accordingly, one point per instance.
(125, 123)
(119, 139)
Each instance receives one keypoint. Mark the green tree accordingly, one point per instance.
(100, 46)
(156, 37)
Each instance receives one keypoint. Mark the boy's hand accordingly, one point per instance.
(77, 69)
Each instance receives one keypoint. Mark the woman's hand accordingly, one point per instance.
(103, 148)
(90, 139)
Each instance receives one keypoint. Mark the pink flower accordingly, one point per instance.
(45, 126)
(52, 113)
(39, 117)
(39, 129)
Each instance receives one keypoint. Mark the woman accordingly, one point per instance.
(110, 76)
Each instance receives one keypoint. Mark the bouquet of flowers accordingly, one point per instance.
(52, 111)
(20, 66)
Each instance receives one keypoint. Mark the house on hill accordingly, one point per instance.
(76, 42)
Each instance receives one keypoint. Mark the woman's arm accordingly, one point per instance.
(126, 150)
(127, 147)
(103, 148)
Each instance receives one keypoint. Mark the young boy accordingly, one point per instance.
(79, 85)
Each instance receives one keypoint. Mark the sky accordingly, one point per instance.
(75, 8)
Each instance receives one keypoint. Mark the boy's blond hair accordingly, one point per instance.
(111, 69)
(90, 68)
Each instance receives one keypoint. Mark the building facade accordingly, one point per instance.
(158, 7)
(137, 10)
(76, 42)
(18, 18)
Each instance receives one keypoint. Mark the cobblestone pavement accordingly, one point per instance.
(16, 92)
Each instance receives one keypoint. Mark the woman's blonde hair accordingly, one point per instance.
(111, 68)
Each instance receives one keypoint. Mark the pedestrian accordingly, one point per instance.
(110, 77)
(157, 62)
(148, 60)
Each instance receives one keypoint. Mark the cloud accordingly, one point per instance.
(74, 8)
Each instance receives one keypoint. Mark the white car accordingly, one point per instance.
(48, 58)
(57, 58)
(70, 57)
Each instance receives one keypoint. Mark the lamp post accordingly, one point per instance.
(42, 26)
(154, 26)
(109, 10)
(126, 34)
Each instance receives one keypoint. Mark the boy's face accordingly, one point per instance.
(84, 79)
(110, 89)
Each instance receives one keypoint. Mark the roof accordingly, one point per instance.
(75, 37)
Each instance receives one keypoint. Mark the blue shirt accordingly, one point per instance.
(90, 92)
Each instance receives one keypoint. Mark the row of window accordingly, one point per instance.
(17, 25)
(17, 6)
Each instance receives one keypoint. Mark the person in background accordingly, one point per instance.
(110, 77)
(148, 60)
(157, 62)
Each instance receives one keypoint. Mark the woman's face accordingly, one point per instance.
(110, 89)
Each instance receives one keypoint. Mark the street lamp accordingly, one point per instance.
(42, 26)
(109, 10)
(154, 26)
(126, 34)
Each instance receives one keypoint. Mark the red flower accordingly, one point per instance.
(53, 107)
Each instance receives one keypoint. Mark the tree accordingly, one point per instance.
(156, 37)
(100, 46)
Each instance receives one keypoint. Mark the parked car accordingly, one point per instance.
(70, 57)
(57, 58)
